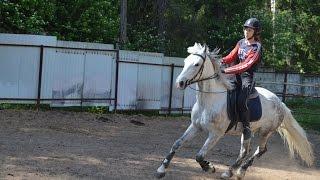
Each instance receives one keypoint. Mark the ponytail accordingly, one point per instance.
(257, 38)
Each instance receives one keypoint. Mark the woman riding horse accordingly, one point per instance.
(247, 55)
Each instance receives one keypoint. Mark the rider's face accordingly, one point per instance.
(248, 32)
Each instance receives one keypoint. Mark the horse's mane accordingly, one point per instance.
(216, 59)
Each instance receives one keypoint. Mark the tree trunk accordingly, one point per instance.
(123, 22)
(161, 8)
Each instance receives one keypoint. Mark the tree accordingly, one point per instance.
(123, 22)
(171, 26)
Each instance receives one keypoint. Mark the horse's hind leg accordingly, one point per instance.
(244, 150)
(209, 144)
(188, 135)
(261, 149)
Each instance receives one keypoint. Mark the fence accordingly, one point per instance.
(123, 80)
(286, 84)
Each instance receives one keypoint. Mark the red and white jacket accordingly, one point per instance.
(248, 54)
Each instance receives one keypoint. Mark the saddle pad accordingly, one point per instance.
(254, 106)
(255, 109)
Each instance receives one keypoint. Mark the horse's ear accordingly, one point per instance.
(195, 44)
(216, 51)
(205, 48)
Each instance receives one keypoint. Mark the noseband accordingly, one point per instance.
(192, 80)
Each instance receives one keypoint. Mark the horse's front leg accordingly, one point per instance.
(211, 141)
(188, 135)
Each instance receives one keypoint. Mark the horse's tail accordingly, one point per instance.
(294, 135)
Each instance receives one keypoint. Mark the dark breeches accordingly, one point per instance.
(245, 87)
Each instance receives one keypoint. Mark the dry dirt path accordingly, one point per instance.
(74, 145)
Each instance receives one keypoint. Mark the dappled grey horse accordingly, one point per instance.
(209, 114)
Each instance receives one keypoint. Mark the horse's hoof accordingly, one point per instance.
(213, 169)
(160, 175)
(226, 175)
(240, 173)
(209, 168)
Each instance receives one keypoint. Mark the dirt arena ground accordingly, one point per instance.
(75, 145)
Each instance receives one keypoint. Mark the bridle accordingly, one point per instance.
(192, 80)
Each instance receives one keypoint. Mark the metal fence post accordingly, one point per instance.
(116, 83)
(171, 88)
(40, 78)
(284, 91)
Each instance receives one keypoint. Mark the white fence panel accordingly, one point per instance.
(28, 39)
(19, 71)
(98, 75)
(267, 80)
(71, 73)
(85, 45)
(165, 88)
(48, 70)
(293, 78)
(149, 81)
(67, 76)
(128, 78)
(311, 90)
(177, 95)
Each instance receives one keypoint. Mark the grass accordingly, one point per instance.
(306, 111)
(46, 107)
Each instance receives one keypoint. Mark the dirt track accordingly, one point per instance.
(70, 145)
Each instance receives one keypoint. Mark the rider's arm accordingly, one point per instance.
(233, 55)
(252, 58)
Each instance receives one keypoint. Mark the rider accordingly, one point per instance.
(246, 55)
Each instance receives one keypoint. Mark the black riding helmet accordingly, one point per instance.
(254, 24)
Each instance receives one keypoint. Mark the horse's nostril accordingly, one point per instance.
(181, 83)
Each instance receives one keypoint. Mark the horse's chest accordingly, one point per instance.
(204, 120)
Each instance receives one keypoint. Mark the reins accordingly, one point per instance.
(192, 81)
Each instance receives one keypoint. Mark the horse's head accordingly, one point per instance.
(197, 66)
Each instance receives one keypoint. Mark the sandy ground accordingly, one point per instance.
(74, 145)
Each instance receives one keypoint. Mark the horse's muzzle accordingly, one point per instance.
(181, 85)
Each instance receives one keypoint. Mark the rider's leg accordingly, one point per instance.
(244, 113)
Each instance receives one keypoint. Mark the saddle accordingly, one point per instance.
(253, 103)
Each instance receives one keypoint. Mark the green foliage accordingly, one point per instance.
(26, 16)
(290, 43)
(143, 38)
(306, 112)
(97, 109)
(23, 106)
(77, 20)
(94, 109)
(91, 21)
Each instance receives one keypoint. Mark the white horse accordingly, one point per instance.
(209, 114)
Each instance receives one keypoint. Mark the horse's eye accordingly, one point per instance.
(196, 64)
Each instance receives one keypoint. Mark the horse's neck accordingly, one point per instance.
(210, 92)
